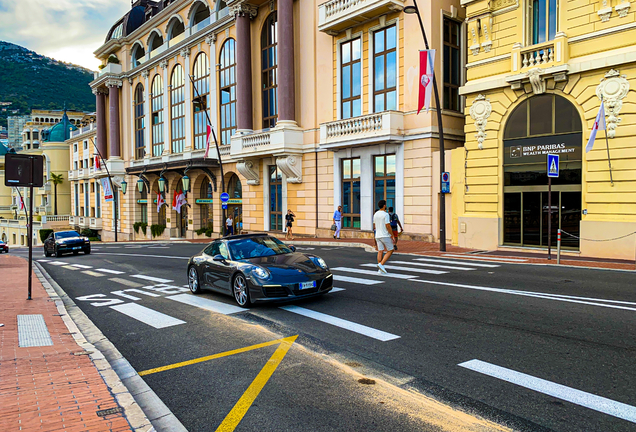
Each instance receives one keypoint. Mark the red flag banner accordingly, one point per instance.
(427, 64)
(207, 145)
(97, 165)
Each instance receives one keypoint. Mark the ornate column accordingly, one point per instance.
(166, 108)
(214, 97)
(185, 53)
(114, 123)
(243, 13)
(147, 114)
(286, 81)
(101, 121)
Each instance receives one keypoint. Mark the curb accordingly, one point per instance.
(365, 246)
(142, 407)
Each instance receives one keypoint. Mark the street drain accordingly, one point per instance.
(366, 381)
(110, 411)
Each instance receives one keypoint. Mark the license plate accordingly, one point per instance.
(306, 285)
(77, 248)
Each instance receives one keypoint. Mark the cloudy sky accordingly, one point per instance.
(67, 30)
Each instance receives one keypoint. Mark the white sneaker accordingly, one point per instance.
(382, 269)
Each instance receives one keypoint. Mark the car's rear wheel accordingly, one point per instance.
(241, 291)
(193, 280)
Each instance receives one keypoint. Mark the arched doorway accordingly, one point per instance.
(538, 126)
(206, 205)
(235, 205)
(182, 219)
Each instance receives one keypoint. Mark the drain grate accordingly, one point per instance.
(109, 411)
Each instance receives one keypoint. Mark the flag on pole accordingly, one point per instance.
(174, 200)
(181, 201)
(97, 164)
(22, 206)
(207, 144)
(160, 202)
(427, 64)
(599, 124)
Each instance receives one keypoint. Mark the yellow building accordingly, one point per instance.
(314, 106)
(536, 75)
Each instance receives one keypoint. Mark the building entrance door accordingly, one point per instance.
(182, 222)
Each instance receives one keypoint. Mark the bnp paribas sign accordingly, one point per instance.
(534, 150)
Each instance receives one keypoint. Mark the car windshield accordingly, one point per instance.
(67, 234)
(256, 247)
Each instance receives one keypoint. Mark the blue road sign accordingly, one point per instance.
(225, 197)
(553, 165)
(445, 182)
(224, 206)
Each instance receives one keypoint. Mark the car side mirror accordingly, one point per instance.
(218, 258)
(293, 248)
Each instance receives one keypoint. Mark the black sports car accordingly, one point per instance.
(256, 267)
(66, 242)
(4, 247)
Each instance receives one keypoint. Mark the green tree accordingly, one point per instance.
(56, 179)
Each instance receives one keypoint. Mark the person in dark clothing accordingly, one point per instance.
(395, 221)
(289, 221)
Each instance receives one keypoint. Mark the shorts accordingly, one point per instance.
(384, 243)
(395, 233)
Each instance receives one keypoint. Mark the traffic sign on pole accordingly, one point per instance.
(553, 165)
(225, 197)
(224, 206)
(445, 182)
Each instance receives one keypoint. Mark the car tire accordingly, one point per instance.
(46, 253)
(57, 253)
(193, 280)
(75, 252)
(87, 251)
(241, 291)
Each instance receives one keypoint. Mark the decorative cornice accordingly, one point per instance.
(145, 73)
(211, 39)
(164, 64)
(612, 90)
(111, 82)
(185, 53)
(480, 111)
(292, 167)
(249, 170)
(244, 9)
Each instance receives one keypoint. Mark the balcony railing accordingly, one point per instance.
(537, 55)
(256, 140)
(335, 16)
(276, 141)
(367, 129)
(95, 223)
(55, 218)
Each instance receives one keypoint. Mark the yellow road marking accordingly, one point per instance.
(235, 416)
(212, 357)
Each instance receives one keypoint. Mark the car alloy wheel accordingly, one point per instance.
(193, 280)
(241, 291)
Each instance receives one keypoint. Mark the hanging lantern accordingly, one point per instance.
(124, 186)
(140, 186)
(186, 183)
(162, 184)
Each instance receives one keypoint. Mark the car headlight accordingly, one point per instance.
(321, 262)
(86, 239)
(260, 272)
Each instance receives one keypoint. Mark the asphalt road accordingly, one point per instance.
(531, 347)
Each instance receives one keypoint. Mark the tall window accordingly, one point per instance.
(177, 109)
(201, 101)
(161, 218)
(227, 77)
(543, 14)
(140, 123)
(98, 200)
(77, 212)
(384, 180)
(87, 201)
(157, 115)
(144, 207)
(269, 57)
(351, 193)
(351, 79)
(385, 69)
(206, 207)
(452, 65)
(275, 199)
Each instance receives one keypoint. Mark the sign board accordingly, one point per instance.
(553, 165)
(23, 170)
(224, 206)
(235, 201)
(534, 150)
(204, 201)
(445, 182)
(225, 197)
(108, 191)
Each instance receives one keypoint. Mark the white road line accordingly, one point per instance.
(356, 280)
(485, 257)
(584, 298)
(338, 322)
(530, 294)
(371, 272)
(578, 397)
(116, 272)
(43, 260)
(121, 293)
(148, 316)
(82, 266)
(410, 269)
(207, 304)
(58, 263)
(333, 290)
(68, 267)
(92, 273)
(151, 279)
(158, 247)
(126, 282)
(146, 256)
(472, 263)
(431, 265)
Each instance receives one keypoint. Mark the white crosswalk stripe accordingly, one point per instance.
(465, 262)
(481, 257)
(431, 265)
(116, 272)
(148, 316)
(360, 281)
(207, 304)
(81, 266)
(151, 279)
(333, 290)
(373, 273)
(408, 269)
(58, 263)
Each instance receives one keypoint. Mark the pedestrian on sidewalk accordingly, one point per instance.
(383, 235)
(337, 220)
(289, 221)
(395, 221)
(229, 225)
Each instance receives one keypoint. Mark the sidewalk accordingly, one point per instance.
(46, 388)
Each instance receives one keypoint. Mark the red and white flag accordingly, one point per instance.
(97, 164)
(207, 144)
(160, 202)
(22, 206)
(427, 64)
(178, 201)
(599, 124)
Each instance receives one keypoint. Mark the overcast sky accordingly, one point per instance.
(67, 30)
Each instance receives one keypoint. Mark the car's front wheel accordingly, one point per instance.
(193, 280)
(87, 251)
(58, 254)
(46, 253)
(241, 291)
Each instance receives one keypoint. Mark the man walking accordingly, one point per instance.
(395, 221)
(229, 225)
(337, 220)
(383, 235)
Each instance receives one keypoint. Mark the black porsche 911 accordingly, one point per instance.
(66, 242)
(256, 268)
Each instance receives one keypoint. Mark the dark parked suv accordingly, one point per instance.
(66, 242)
(4, 247)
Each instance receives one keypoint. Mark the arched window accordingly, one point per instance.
(235, 188)
(269, 58)
(200, 17)
(177, 109)
(176, 30)
(201, 100)
(140, 122)
(138, 55)
(206, 206)
(156, 40)
(227, 79)
(157, 115)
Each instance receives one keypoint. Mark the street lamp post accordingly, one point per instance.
(442, 163)
(112, 186)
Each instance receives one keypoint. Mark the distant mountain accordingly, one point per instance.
(32, 81)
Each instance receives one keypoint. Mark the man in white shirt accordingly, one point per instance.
(229, 223)
(383, 235)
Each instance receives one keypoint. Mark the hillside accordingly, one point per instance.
(31, 81)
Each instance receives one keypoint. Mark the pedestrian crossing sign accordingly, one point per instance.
(553, 165)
